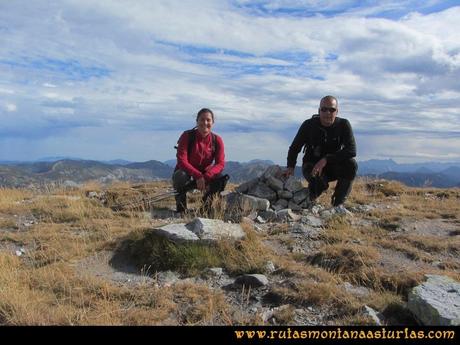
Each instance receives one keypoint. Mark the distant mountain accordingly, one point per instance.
(118, 162)
(171, 162)
(438, 180)
(160, 169)
(424, 170)
(71, 172)
(240, 172)
(376, 166)
(433, 174)
(452, 172)
(261, 161)
(57, 158)
(16, 174)
(7, 162)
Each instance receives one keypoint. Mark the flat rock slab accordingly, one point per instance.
(177, 233)
(252, 280)
(214, 229)
(201, 229)
(312, 221)
(436, 302)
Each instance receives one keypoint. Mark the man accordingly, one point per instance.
(329, 150)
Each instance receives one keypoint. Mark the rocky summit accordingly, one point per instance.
(261, 255)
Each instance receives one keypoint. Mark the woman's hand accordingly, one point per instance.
(201, 184)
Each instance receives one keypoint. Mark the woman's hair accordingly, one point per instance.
(203, 111)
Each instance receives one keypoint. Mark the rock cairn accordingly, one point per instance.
(271, 195)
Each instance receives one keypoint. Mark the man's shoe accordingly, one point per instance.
(340, 209)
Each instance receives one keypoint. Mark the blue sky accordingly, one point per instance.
(122, 79)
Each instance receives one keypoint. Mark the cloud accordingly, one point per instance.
(10, 107)
(144, 69)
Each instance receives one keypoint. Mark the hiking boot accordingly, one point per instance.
(181, 203)
(340, 209)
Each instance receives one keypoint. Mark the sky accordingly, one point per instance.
(123, 79)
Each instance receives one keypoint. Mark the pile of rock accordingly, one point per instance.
(271, 193)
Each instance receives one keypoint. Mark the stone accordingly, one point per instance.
(292, 184)
(252, 203)
(374, 315)
(301, 195)
(214, 271)
(92, 194)
(251, 280)
(167, 278)
(287, 215)
(163, 213)
(298, 228)
(260, 220)
(274, 171)
(214, 229)
(277, 208)
(363, 208)
(356, 290)
(312, 221)
(306, 230)
(317, 209)
(262, 191)
(293, 206)
(281, 203)
(246, 203)
(285, 194)
(436, 302)
(269, 267)
(274, 183)
(244, 187)
(252, 215)
(177, 233)
(268, 215)
(306, 204)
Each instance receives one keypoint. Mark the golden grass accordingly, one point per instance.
(12, 199)
(44, 286)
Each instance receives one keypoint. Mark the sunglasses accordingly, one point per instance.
(331, 110)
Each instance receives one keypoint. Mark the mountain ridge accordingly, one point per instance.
(20, 174)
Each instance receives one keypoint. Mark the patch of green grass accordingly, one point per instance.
(150, 251)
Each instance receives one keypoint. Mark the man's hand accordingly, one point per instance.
(288, 172)
(318, 168)
(201, 184)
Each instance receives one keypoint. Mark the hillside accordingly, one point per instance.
(422, 179)
(67, 258)
(73, 172)
(76, 172)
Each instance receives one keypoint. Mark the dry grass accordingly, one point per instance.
(59, 227)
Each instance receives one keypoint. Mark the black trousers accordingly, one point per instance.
(344, 172)
(180, 179)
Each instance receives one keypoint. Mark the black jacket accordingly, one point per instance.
(336, 143)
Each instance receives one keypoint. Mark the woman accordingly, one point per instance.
(197, 149)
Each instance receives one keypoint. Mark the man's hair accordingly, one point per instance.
(330, 98)
(203, 111)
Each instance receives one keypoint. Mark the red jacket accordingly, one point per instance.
(199, 164)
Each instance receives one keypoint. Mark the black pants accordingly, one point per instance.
(180, 178)
(344, 172)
